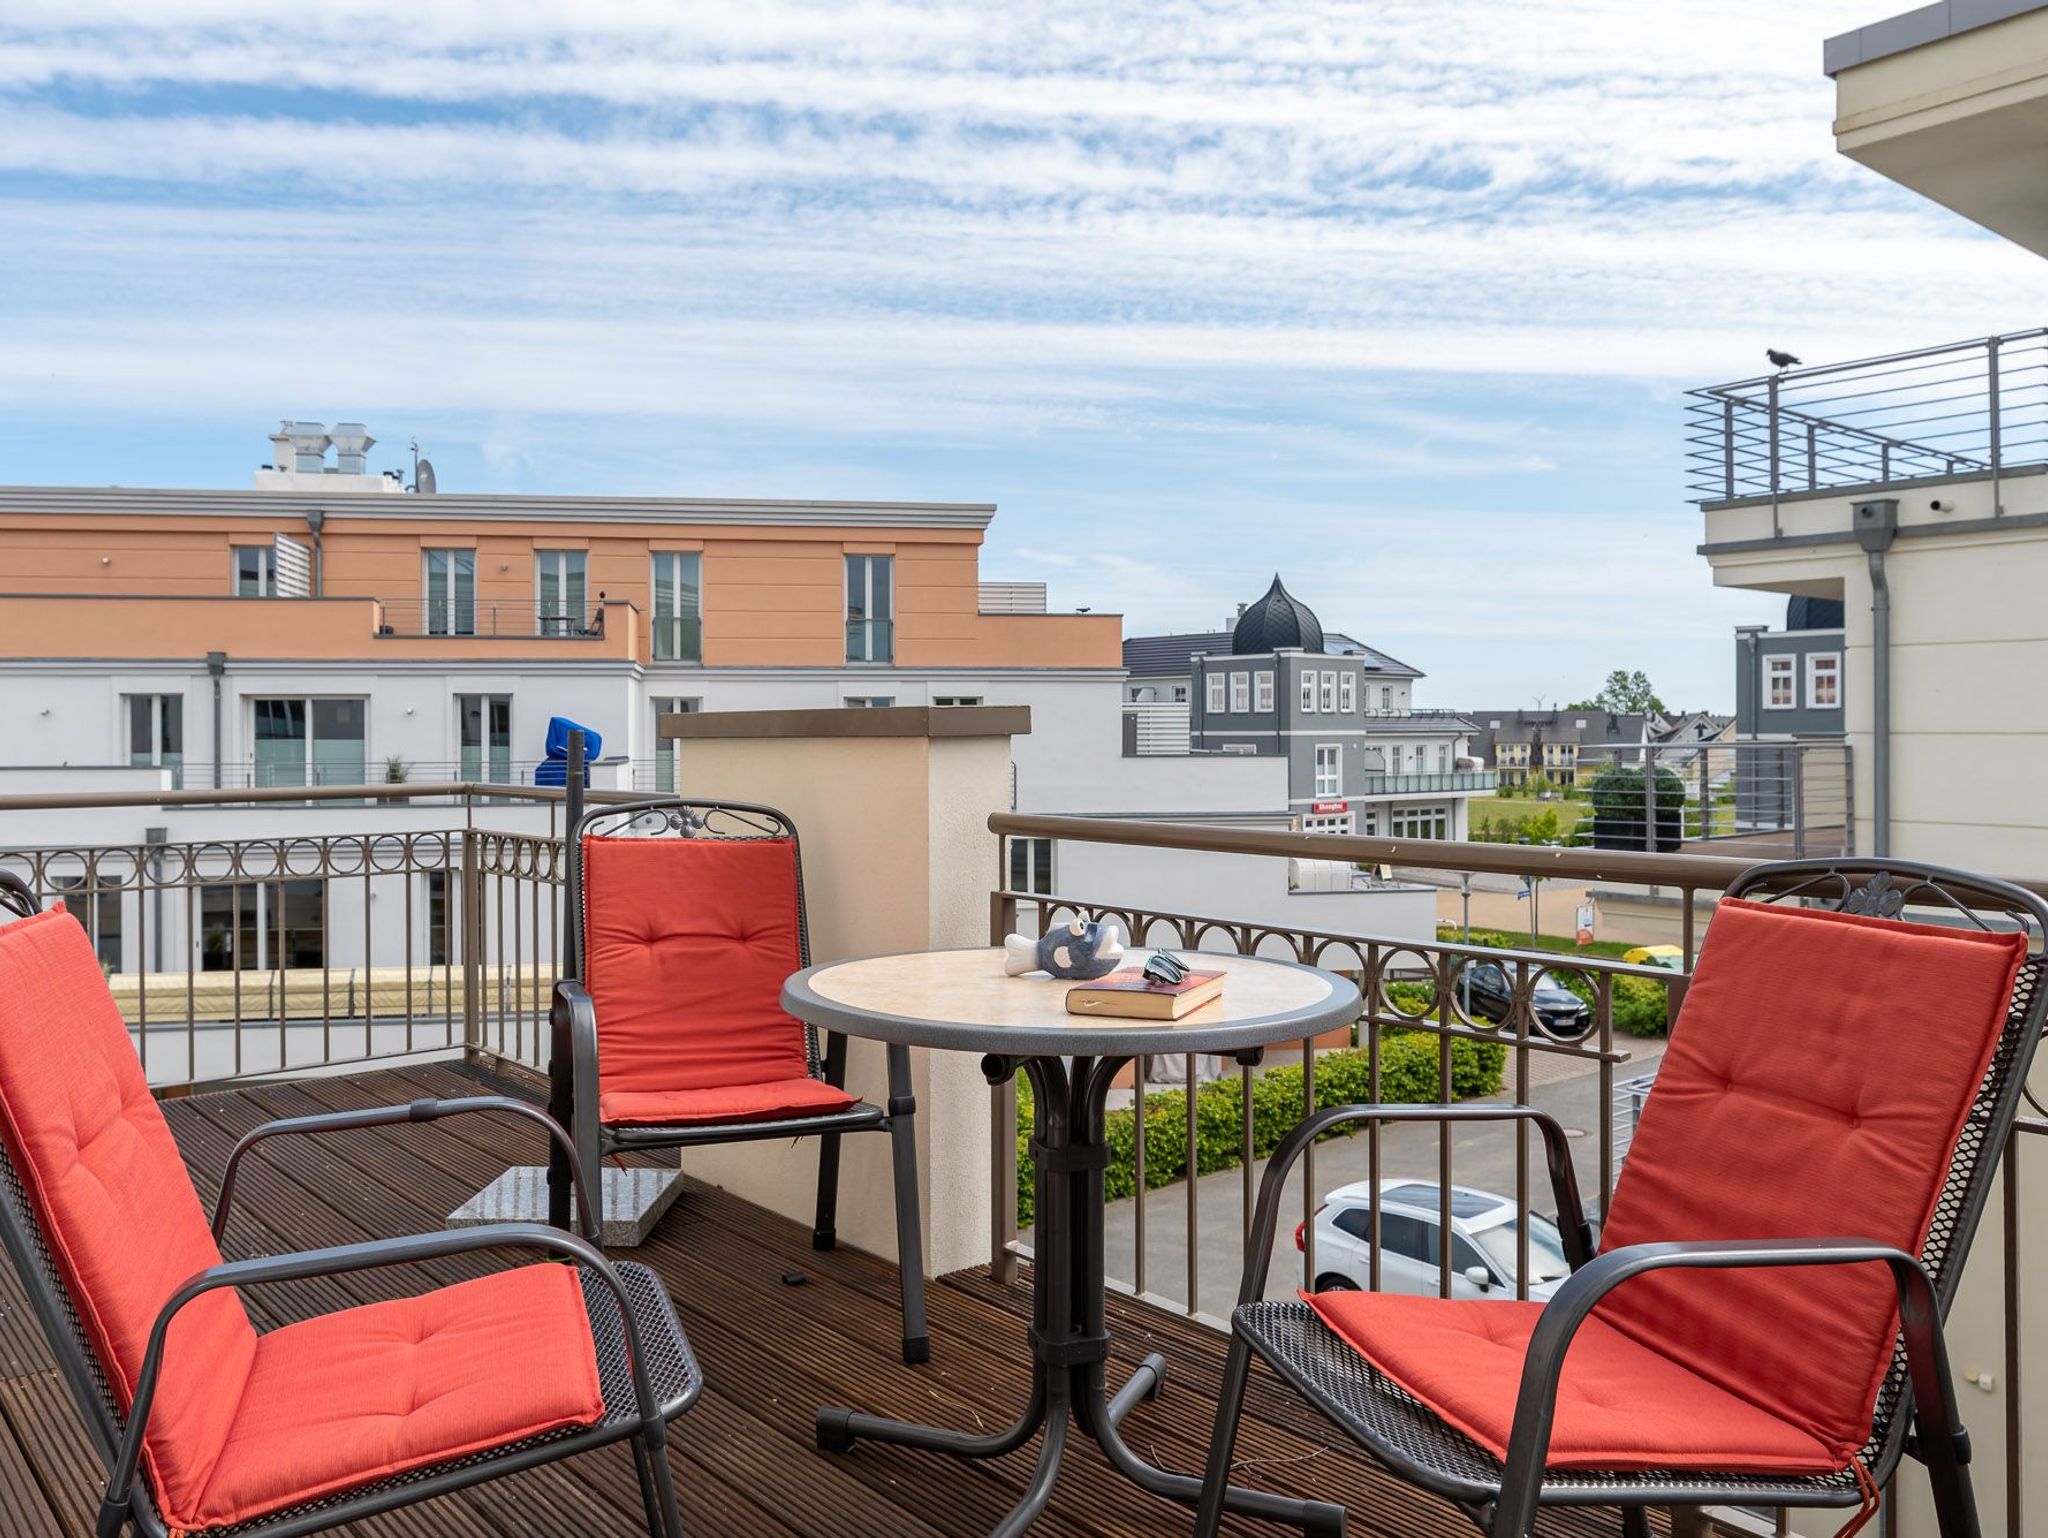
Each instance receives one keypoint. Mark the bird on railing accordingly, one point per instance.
(1781, 360)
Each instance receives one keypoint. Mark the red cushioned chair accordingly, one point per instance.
(205, 1426)
(1761, 1322)
(669, 1030)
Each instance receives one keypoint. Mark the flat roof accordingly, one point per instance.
(1913, 29)
(494, 506)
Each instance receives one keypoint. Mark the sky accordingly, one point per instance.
(1399, 299)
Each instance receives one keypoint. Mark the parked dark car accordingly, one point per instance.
(1484, 988)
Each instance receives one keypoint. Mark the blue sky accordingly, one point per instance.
(1397, 298)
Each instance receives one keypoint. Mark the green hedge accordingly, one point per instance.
(1408, 1075)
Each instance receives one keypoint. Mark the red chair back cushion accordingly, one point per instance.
(686, 945)
(110, 1193)
(1817, 1082)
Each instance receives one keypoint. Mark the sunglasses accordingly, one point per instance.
(1166, 969)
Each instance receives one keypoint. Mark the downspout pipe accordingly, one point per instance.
(216, 667)
(315, 521)
(1877, 526)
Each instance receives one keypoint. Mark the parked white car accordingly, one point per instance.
(1483, 1242)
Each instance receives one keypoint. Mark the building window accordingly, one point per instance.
(1420, 822)
(259, 925)
(1443, 758)
(1213, 685)
(1326, 697)
(1387, 699)
(1308, 694)
(255, 571)
(870, 608)
(1180, 694)
(1824, 680)
(1262, 693)
(156, 734)
(1329, 771)
(956, 699)
(484, 737)
(1338, 824)
(868, 701)
(559, 584)
(668, 750)
(450, 587)
(99, 912)
(678, 596)
(1347, 696)
(1031, 865)
(1240, 694)
(1781, 688)
(309, 741)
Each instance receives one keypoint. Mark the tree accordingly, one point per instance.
(1624, 694)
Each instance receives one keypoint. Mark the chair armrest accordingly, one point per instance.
(362, 1257)
(391, 1115)
(1564, 1181)
(1542, 1368)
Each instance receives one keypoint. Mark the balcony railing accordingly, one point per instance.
(678, 638)
(1771, 797)
(1969, 408)
(492, 618)
(1412, 991)
(1460, 780)
(870, 640)
(443, 940)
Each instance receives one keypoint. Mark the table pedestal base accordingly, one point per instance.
(1069, 1332)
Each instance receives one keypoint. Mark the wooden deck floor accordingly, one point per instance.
(744, 1460)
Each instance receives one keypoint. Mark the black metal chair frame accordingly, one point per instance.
(1917, 1414)
(573, 1060)
(647, 1372)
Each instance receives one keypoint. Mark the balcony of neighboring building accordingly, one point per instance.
(1949, 100)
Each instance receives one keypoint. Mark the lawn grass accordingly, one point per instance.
(1492, 811)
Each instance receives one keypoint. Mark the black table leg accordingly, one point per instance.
(1069, 1326)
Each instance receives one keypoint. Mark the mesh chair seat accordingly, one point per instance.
(1411, 1439)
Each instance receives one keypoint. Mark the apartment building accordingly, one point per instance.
(1563, 747)
(334, 625)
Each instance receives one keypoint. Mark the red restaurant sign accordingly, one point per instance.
(1330, 808)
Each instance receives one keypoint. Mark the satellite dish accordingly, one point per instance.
(423, 478)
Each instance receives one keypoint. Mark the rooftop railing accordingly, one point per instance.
(1967, 408)
(488, 618)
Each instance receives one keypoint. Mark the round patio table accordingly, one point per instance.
(961, 1001)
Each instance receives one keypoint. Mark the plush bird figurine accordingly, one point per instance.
(1078, 950)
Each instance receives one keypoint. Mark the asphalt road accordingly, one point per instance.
(1482, 1156)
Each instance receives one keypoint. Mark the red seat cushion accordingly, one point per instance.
(737, 1103)
(1620, 1405)
(1817, 1083)
(687, 943)
(346, 1399)
(112, 1197)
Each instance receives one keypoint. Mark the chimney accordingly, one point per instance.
(351, 448)
(308, 442)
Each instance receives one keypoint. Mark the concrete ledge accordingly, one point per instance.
(889, 721)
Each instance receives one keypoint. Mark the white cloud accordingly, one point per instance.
(1159, 269)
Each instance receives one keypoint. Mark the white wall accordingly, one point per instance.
(1969, 656)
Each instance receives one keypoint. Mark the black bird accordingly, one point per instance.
(1781, 359)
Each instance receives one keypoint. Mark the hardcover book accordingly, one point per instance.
(1130, 995)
